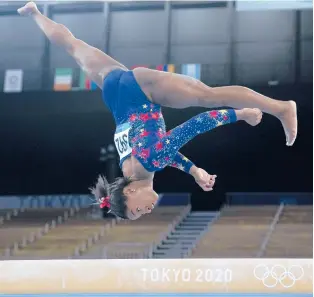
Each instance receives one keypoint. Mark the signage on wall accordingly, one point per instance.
(13, 81)
(45, 201)
(242, 5)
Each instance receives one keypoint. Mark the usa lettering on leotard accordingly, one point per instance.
(121, 140)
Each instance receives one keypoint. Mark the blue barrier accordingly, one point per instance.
(174, 199)
(269, 198)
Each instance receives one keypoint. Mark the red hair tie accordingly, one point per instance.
(104, 202)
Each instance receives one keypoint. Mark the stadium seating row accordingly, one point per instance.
(238, 233)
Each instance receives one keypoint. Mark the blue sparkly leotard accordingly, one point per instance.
(141, 129)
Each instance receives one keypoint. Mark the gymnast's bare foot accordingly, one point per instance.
(252, 116)
(28, 9)
(289, 121)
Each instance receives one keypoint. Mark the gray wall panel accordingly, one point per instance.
(215, 74)
(199, 36)
(264, 48)
(307, 50)
(264, 26)
(32, 80)
(137, 37)
(306, 46)
(307, 72)
(148, 55)
(21, 59)
(134, 28)
(29, 61)
(202, 26)
(22, 48)
(18, 32)
(85, 26)
(206, 54)
(263, 52)
(261, 74)
(307, 24)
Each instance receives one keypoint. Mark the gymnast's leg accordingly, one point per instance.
(94, 62)
(180, 91)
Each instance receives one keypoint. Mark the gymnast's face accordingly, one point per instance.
(140, 200)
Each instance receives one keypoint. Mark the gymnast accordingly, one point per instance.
(135, 99)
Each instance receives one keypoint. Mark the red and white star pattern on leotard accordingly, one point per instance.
(156, 148)
(148, 127)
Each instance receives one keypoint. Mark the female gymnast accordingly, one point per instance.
(135, 99)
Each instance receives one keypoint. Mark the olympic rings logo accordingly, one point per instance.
(278, 274)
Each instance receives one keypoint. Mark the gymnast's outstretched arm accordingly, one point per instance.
(182, 163)
(202, 178)
(162, 153)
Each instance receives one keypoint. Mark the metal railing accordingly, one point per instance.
(34, 236)
(271, 229)
(11, 213)
(171, 227)
(128, 250)
(89, 242)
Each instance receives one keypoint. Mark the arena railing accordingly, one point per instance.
(34, 236)
(271, 229)
(206, 230)
(11, 213)
(127, 250)
(141, 250)
(170, 228)
(89, 242)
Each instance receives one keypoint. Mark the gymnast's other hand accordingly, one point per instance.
(203, 179)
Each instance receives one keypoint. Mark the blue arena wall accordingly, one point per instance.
(260, 198)
(160, 295)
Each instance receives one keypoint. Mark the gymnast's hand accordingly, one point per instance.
(203, 179)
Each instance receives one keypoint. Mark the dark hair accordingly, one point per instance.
(117, 199)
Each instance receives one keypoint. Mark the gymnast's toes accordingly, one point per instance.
(28, 9)
(289, 122)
